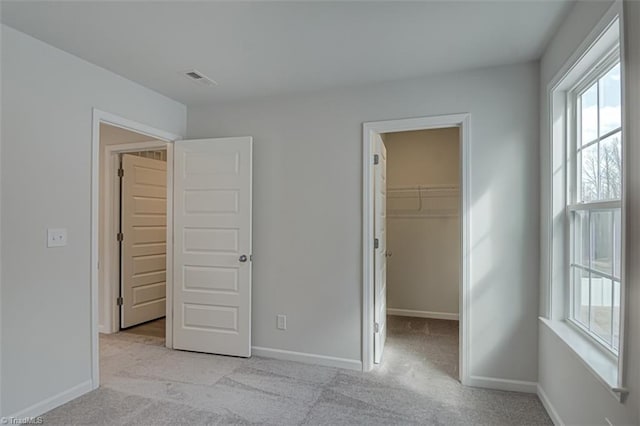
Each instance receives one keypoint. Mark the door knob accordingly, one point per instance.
(243, 258)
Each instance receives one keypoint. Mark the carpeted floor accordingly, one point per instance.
(144, 383)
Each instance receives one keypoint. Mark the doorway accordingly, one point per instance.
(207, 226)
(428, 199)
(421, 251)
(132, 231)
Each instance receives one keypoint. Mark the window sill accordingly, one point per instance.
(602, 366)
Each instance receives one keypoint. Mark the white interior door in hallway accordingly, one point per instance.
(380, 247)
(144, 237)
(212, 246)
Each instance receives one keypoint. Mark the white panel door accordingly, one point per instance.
(212, 246)
(380, 258)
(144, 248)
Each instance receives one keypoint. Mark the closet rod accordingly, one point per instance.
(423, 188)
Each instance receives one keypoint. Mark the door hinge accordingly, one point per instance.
(376, 328)
(119, 301)
(120, 172)
(120, 237)
(376, 159)
(376, 243)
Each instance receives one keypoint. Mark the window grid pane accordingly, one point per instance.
(596, 306)
(589, 115)
(589, 173)
(617, 242)
(596, 229)
(602, 241)
(581, 238)
(581, 296)
(609, 101)
(601, 307)
(615, 321)
(598, 149)
(610, 167)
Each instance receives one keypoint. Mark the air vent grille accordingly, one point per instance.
(194, 75)
(199, 78)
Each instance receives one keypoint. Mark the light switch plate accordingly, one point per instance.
(56, 237)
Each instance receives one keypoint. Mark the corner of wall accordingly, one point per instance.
(551, 410)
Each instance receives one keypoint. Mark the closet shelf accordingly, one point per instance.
(423, 201)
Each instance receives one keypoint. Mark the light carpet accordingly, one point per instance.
(143, 383)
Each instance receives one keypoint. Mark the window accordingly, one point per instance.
(594, 203)
(585, 226)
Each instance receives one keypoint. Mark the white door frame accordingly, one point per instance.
(167, 138)
(422, 123)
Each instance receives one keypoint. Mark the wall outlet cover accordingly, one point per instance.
(56, 237)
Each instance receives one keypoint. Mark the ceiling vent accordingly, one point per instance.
(199, 78)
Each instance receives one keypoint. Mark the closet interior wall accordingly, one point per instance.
(423, 221)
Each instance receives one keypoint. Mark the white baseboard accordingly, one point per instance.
(423, 314)
(50, 403)
(502, 384)
(551, 410)
(327, 361)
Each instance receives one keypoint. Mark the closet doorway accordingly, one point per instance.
(423, 223)
(415, 200)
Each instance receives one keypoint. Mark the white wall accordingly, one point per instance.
(47, 102)
(308, 211)
(423, 273)
(572, 390)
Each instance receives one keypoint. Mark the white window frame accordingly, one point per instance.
(574, 145)
(555, 298)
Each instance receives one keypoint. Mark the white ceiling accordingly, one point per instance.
(263, 48)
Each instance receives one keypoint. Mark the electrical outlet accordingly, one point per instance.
(56, 237)
(282, 322)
